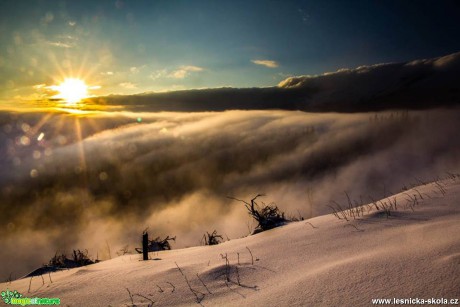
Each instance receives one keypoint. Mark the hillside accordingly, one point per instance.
(325, 261)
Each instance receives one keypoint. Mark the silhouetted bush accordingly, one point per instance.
(158, 244)
(211, 238)
(79, 258)
(267, 217)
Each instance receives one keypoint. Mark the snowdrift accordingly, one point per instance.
(408, 248)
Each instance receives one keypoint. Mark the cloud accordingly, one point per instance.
(158, 74)
(136, 69)
(417, 84)
(48, 18)
(184, 71)
(128, 85)
(60, 41)
(266, 63)
(179, 73)
(173, 171)
(60, 44)
(39, 86)
(305, 17)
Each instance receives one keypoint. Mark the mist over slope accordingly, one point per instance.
(103, 178)
(419, 84)
(324, 261)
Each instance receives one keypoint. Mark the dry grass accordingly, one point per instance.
(388, 205)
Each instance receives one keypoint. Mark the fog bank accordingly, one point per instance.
(96, 182)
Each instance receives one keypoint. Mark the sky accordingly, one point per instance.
(119, 161)
(127, 47)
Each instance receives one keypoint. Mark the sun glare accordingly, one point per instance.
(71, 90)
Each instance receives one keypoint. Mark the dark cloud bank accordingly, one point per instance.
(418, 84)
(104, 177)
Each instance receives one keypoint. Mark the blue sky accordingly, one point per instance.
(137, 46)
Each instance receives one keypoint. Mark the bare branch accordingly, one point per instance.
(195, 292)
(231, 197)
(203, 283)
(252, 257)
(173, 289)
(130, 296)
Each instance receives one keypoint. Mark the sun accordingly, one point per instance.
(71, 90)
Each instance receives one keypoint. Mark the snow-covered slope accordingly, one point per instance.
(413, 253)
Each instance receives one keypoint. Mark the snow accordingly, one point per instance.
(322, 261)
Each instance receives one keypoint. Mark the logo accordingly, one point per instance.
(16, 298)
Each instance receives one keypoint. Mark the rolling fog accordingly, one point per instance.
(97, 181)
